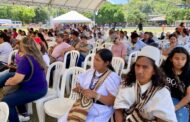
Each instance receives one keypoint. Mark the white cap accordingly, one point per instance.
(152, 53)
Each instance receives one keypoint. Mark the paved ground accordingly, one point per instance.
(35, 119)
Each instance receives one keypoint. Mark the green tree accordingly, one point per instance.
(135, 16)
(22, 13)
(88, 15)
(41, 15)
(110, 13)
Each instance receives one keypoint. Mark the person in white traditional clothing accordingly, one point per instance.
(103, 98)
(143, 96)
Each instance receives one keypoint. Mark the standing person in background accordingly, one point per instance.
(140, 25)
(177, 70)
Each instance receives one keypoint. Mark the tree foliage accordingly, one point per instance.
(136, 9)
(41, 15)
(178, 14)
(22, 13)
(132, 12)
(110, 13)
(29, 14)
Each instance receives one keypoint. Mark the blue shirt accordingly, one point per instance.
(136, 47)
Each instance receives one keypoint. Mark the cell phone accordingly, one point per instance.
(4, 63)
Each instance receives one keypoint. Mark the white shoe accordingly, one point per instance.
(23, 118)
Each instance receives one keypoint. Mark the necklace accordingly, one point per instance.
(176, 72)
(95, 80)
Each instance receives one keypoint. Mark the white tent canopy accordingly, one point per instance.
(84, 5)
(159, 18)
(71, 17)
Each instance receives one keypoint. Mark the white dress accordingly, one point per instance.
(98, 112)
(160, 105)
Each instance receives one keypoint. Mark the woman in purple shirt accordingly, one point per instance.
(30, 76)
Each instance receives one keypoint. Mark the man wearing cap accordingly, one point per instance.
(143, 95)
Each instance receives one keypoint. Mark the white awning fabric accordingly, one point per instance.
(160, 18)
(85, 5)
(71, 17)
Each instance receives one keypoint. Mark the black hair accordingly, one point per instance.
(31, 29)
(50, 34)
(134, 35)
(24, 33)
(158, 79)
(19, 30)
(33, 32)
(106, 55)
(168, 65)
(4, 37)
(172, 35)
(75, 33)
(43, 39)
(14, 29)
(186, 32)
(182, 24)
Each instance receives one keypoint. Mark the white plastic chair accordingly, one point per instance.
(107, 45)
(58, 107)
(51, 43)
(4, 112)
(187, 47)
(118, 64)
(52, 92)
(96, 44)
(11, 55)
(95, 49)
(132, 58)
(74, 56)
(89, 61)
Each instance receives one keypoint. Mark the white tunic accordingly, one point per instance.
(160, 105)
(99, 113)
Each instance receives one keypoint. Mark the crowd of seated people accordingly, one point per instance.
(154, 89)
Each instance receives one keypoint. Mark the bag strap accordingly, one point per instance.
(139, 103)
(151, 93)
(180, 83)
(32, 68)
(101, 80)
